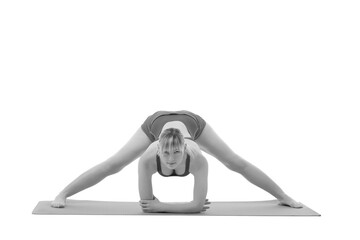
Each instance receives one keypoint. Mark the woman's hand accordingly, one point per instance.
(150, 206)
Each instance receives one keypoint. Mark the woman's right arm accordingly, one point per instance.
(145, 172)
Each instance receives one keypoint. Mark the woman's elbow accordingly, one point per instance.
(197, 207)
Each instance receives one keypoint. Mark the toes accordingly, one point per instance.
(291, 204)
(57, 204)
(299, 205)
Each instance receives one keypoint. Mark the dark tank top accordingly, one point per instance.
(187, 166)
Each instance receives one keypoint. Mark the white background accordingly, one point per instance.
(277, 80)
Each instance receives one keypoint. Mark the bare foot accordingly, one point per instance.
(59, 202)
(289, 202)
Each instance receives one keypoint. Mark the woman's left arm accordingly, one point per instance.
(200, 183)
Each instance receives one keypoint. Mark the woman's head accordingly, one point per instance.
(171, 147)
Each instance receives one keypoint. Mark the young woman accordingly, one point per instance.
(198, 132)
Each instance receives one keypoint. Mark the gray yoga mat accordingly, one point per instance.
(254, 208)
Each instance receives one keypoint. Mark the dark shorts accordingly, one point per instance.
(154, 123)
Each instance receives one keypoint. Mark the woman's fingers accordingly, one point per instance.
(204, 209)
(144, 205)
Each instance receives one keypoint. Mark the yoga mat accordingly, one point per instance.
(254, 208)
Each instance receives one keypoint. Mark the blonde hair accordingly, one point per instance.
(172, 139)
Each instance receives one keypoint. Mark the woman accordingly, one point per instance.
(191, 126)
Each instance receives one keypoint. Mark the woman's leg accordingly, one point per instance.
(212, 144)
(137, 144)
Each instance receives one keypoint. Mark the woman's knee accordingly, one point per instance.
(235, 163)
(136, 146)
(115, 168)
(114, 165)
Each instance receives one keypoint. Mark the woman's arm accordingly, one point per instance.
(145, 173)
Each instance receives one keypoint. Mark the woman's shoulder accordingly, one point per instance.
(149, 156)
(197, 158)
(192, 144)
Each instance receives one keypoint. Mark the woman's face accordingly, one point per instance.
(172, 157)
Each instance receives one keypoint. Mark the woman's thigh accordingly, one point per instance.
(210, 142)
(133, 149)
